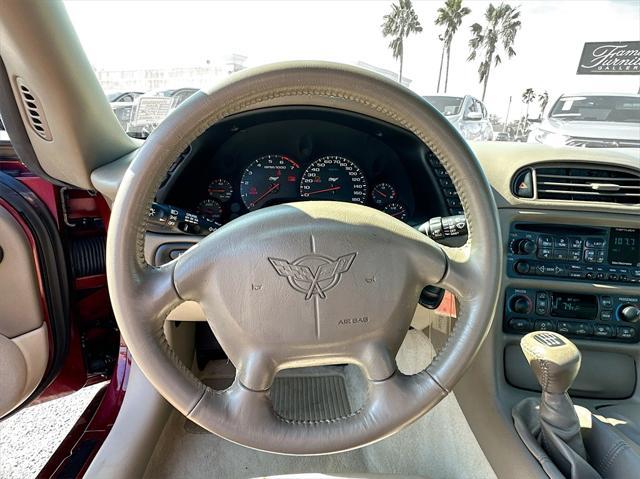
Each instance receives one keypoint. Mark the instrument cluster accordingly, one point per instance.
(272, 179)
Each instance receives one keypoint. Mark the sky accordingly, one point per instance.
(147, 34)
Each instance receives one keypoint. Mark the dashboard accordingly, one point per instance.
(275, 156)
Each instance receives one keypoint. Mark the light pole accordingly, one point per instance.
(506, 118)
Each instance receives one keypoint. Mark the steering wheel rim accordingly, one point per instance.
(143, 295)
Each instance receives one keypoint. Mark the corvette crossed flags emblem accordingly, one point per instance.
(313, 274)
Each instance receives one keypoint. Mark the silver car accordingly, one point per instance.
(466, 113)
(593, 120)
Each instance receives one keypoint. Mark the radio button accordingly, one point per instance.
(603, 331)
(575, 254)
(561, 242)
(544, 325)
(545, 241)
(561, 254)
(590, 255)
(600, 275)
(589, 275)
(575, 243)
(595, 243)
(613, 277)
(545, 253)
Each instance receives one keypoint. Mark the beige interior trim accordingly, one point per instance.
(39, 45)
(20, 298)
(143, 415)
(23, 362)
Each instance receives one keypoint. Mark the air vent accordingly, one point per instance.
(600, 184)
(33, 110)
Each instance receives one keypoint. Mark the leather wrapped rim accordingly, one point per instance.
(473, 275)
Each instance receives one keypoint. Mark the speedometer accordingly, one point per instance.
(334, 178)
(269, 180)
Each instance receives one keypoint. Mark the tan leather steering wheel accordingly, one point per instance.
(379, 266)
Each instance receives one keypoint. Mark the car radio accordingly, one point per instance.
(593, 316)
(574, 253)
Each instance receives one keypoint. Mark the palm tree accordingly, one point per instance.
(528, 96)
(503, 23)
(399, 24)
(543, 100)
(450, 16)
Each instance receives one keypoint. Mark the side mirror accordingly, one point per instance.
(534, 120)
(473, 115)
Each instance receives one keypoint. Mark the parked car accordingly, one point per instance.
(501, 136)
(123, 96)
(466, 113)
(593, 120)
(151, 108)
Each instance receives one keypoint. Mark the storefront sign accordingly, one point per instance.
(612, 58)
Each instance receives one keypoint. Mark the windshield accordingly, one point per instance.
(447, 105)
(510, 60)
(598, 108)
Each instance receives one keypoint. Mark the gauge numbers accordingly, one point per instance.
(334, 178)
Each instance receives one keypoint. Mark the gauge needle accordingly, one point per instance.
(398, 213)
(333, 188)
(380, 193)
(275, 185)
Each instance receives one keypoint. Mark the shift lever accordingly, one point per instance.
(555, 362)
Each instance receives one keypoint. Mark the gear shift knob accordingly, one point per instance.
(554, 360)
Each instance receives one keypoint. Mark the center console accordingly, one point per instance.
(606, 256)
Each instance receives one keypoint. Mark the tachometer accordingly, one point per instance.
(269, 180)
(334, 178)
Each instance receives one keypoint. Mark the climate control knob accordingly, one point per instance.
(520, 304)
(629, 313)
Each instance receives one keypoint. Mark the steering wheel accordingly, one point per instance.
(269, 309)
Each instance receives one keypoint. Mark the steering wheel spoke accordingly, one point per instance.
(304, 284)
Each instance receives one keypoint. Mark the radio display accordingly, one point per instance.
(578, 306)
(624, 247)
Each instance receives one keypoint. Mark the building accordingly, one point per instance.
(148, 79)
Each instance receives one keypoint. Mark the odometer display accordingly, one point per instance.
(269, 180)
(334, 178)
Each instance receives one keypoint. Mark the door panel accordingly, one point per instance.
(34, 296)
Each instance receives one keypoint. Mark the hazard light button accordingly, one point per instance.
(523, 184)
